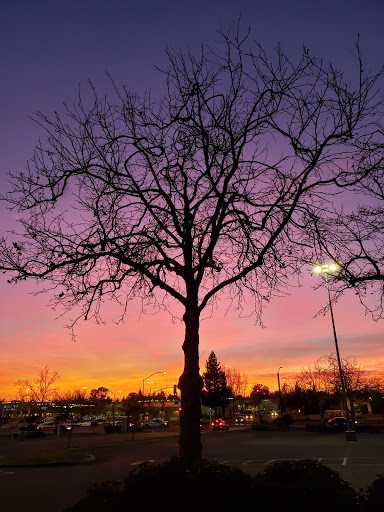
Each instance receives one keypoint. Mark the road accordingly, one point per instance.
(53, 488)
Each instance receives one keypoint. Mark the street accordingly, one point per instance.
(51, 488)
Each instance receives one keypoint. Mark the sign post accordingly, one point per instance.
(13, 422)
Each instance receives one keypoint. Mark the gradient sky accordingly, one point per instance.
(47, 49)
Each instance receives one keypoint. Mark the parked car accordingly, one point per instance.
(117, 427)
(49, 423)
(219, 424)
(63, 428)
(270, 415)
(31, 427)
(100, 421)
(338, 420)
(155, 423)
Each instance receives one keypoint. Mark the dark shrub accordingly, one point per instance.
(206, 483)
(36, 434)
(284, 420)
(282, 423)
(304, 485)
(102, 497)
(375, 495)
(110, 429)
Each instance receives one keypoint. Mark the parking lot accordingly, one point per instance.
(113, 455)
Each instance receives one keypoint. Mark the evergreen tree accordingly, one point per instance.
(216, 392)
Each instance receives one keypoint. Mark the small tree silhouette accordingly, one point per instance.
(216, 391)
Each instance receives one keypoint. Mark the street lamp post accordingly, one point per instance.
(113, 406)
(149, 377)
(278, 382)
(325, 269)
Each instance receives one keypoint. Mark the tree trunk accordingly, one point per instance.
(190, 385)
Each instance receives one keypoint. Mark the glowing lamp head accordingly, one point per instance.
(332, 267)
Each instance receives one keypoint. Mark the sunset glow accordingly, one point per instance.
(42, 67)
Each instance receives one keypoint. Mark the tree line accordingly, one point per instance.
(311, 390)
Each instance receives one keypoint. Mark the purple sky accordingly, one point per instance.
(47, 49)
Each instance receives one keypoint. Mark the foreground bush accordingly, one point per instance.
(375, 495)
(292, 486)
(207, 483)
(304, 485)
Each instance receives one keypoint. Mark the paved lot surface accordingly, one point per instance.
(51, 488)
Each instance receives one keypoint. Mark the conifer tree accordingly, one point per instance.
(215, 383)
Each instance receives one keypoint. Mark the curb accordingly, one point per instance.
(58, 462)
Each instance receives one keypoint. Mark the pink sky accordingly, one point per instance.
(46, 50)
(119, 357)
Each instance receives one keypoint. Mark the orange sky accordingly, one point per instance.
(119, 357)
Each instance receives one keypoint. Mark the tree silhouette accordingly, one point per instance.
(98, 395)
(39, 390)
(259, 391)
(216, 391)
(205, 190)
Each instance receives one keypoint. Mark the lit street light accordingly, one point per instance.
(326, 269)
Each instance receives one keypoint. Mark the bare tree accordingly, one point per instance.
(41, 389)
(355, 379)
(203, 191)
(237, 381)
(316, 379)
(324, 377)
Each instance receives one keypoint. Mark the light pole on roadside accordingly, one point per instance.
(326, 269)
(113, 406)
(149, 377)
(278, 382)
